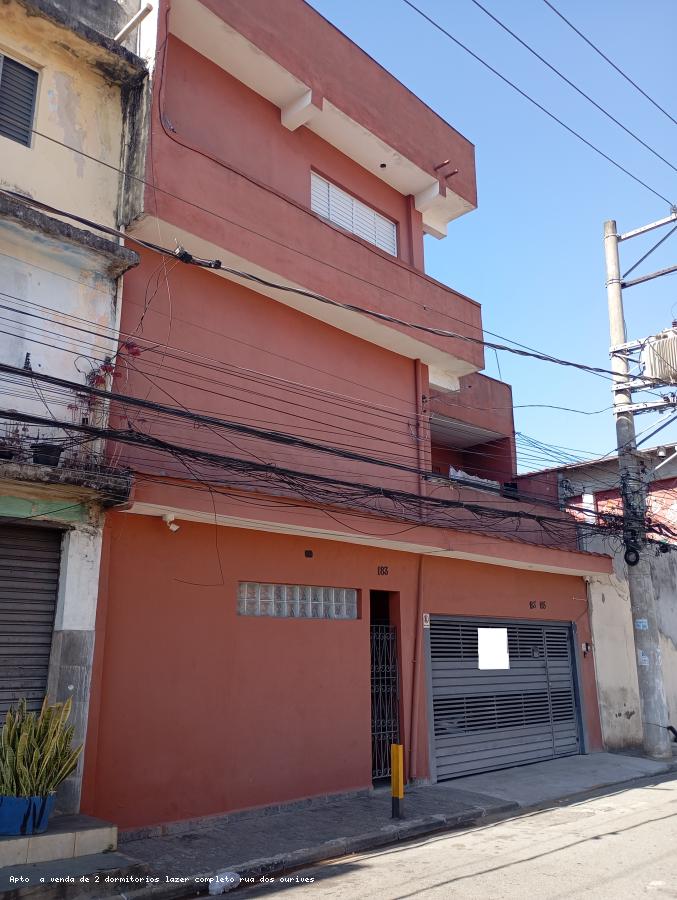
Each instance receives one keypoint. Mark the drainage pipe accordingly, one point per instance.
(416, 673)
(134, 22)
(421, 429)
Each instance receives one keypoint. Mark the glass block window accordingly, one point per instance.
(296, 601)
(330, 202)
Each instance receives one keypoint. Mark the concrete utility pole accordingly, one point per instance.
(633, 491)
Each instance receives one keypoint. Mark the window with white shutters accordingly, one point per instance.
(18, 88)
(341, 208)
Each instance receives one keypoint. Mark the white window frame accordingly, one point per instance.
(342, 209)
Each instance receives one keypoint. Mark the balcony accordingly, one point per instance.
(256, 230)
(480, 401)
(471, 430)
(39, 463)
(318, 78)
(227, 117)
(519, 515)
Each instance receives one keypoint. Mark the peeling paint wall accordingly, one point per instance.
(615, 659)
(76, 106)
(58, 285)
(614, 653)
(106, 16)
(664, 578)
(58, 290)
(70, 664)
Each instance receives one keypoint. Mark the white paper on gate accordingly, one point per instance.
(492, 647)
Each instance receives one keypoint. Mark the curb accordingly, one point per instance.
(385, 836)
(120, 868)
(185, 826)
(334, 849)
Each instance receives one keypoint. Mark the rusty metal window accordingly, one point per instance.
(18, 90)
(296, 601)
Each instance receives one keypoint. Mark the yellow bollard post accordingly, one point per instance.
(397, 779)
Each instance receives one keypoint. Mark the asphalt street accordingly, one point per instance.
(618, 845)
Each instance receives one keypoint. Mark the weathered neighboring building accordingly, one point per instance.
(594, 487)
(67, 97)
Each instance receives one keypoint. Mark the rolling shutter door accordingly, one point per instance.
(29, 580)
(488, 719)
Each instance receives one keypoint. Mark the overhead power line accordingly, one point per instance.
(197, 418)
(215, 264)
(267, 435)
(535, 103)
(385, 429)
(403, 501)
(575, 87)
(648, 253)
(217, 365)
(214, 423)
(610, 62)
(286, 245)
(221, 217)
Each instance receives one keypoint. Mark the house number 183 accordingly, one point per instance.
(382, 570)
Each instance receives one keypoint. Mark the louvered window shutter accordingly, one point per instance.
(18, 87)
(341, 208)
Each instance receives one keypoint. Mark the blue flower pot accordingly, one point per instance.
(25, 815)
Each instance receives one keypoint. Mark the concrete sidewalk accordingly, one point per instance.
(288, 840)
(261, 844)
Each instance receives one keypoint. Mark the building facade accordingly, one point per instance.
(323, 522)
(595, 487)
(65, 96)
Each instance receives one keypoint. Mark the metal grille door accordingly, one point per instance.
(385, 698)
(495, 718)
(29, 579)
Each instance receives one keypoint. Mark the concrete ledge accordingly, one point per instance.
(95, 876)
(23, 213)
(66, 838)
(116, 62)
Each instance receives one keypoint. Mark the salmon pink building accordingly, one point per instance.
(324, 551)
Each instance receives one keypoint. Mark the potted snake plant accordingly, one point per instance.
(36, 755)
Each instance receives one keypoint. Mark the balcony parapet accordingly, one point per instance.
(319, 78)
(296, 248)
(480, 401)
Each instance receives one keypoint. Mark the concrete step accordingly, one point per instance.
(93, 876)
(66, 838)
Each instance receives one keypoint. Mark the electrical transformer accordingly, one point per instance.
(659, 356)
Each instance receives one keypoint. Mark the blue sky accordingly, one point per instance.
(532, 253)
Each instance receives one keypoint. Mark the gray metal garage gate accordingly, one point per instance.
(29, 580)
(488, 719)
